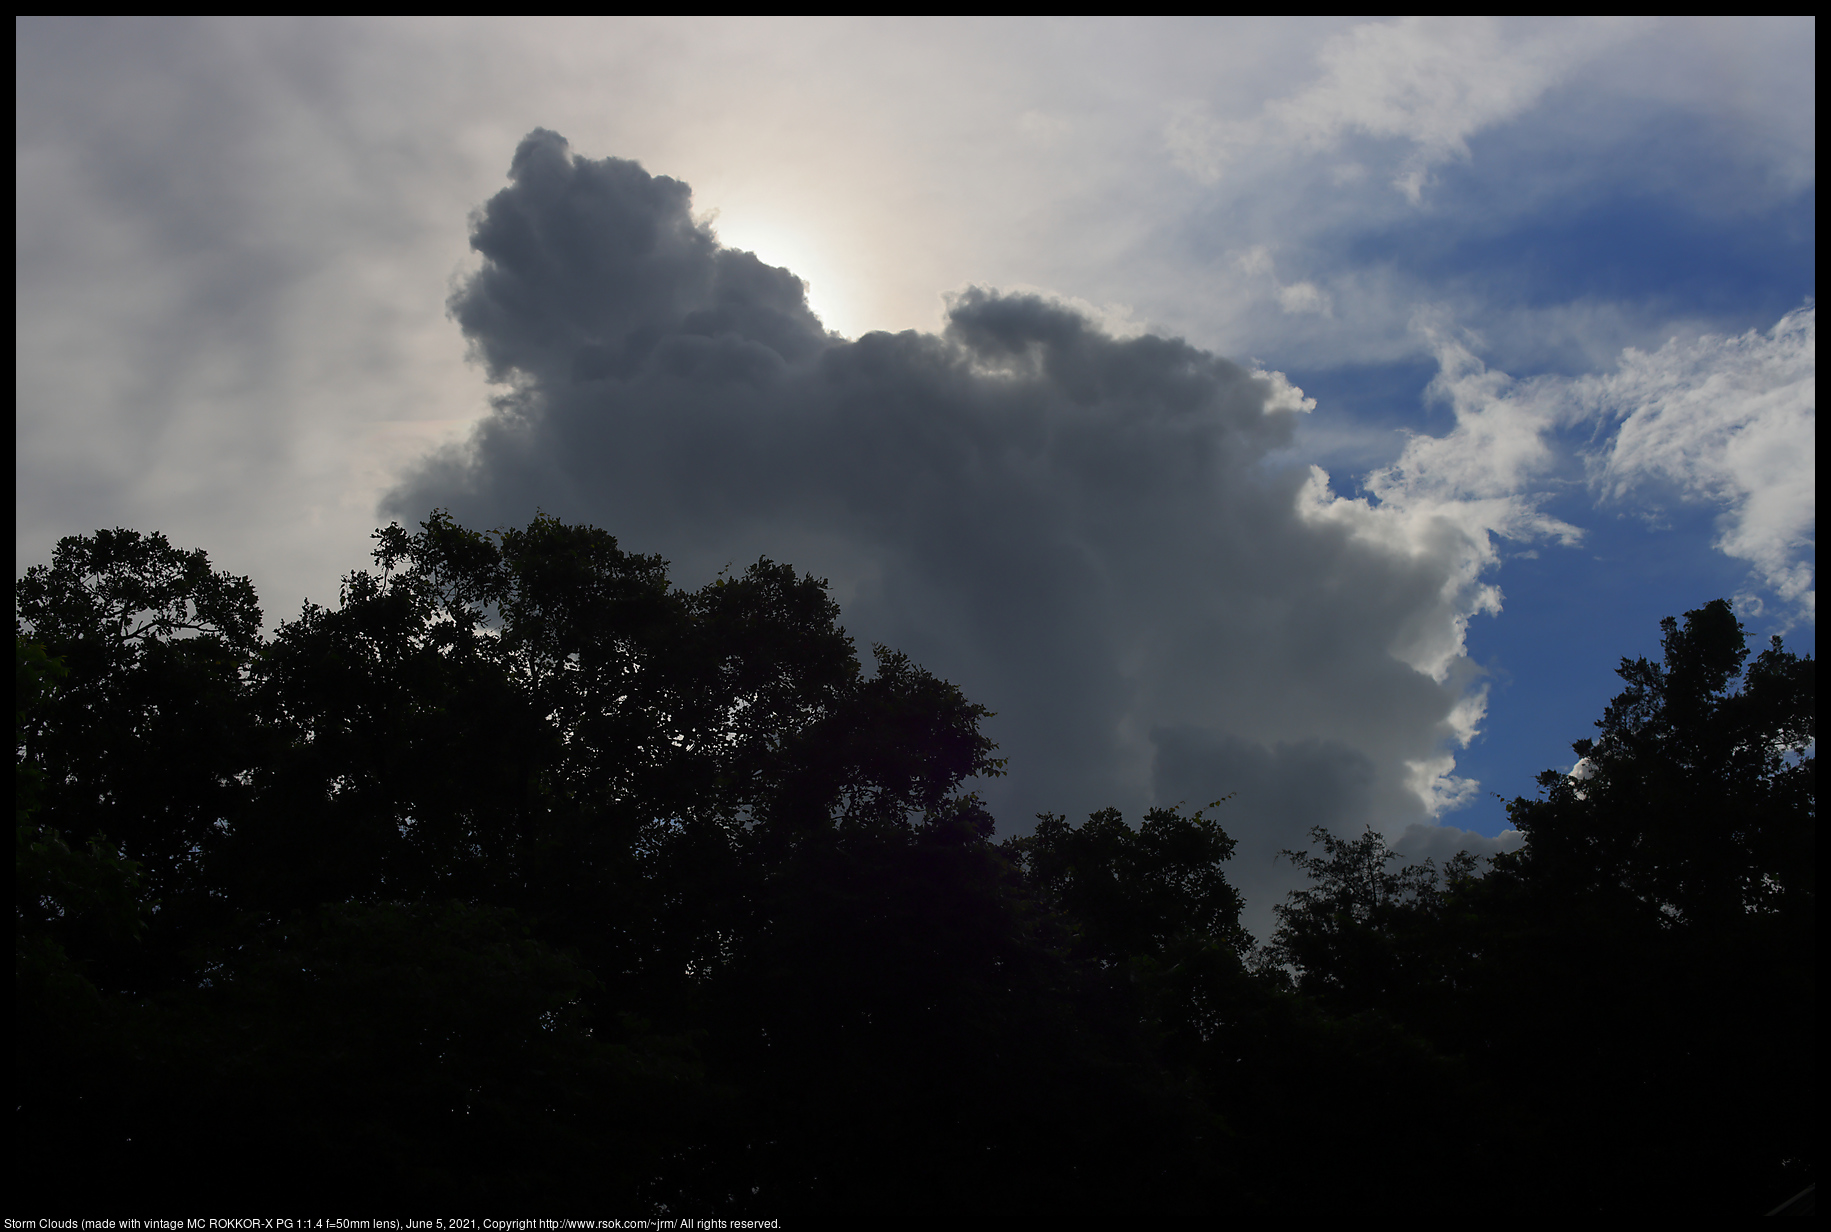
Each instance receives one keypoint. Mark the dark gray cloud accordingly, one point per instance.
(227, 231)
(1082, 531)
(1273, 795)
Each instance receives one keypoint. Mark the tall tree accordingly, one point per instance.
(1697, 799)
(1663, 920)
(1632, 987)
(146, 744)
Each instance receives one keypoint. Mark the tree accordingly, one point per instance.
(734, 852)
(148, 738)
(1631, 988)
(1666, 891)
(1357, 935)
(86, 899)
(426, 1051)
(524, 873)
(1133, 893)
(1696, 802)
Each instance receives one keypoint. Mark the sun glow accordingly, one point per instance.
(798, 247)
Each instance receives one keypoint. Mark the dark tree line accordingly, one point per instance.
(523, 875)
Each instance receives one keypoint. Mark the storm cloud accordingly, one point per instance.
(1089, 534)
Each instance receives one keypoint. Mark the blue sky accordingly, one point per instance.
(1547, 287)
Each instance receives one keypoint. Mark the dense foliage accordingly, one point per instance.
(523, 875)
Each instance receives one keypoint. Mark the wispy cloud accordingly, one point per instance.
(1429, 82)
(1729, 421)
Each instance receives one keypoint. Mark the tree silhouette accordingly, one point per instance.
(1696, 800)
(522, 875)
(148, 736)
(1616, 984)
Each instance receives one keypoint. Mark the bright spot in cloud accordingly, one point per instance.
(794, 247)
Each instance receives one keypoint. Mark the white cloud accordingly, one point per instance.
(1449, 496)
(1496, 451)
(1731, 421)
(1300, 297)
(1726, 420)
(1297, 298)
(1281, 395)
(1431, 82)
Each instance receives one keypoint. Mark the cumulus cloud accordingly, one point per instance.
(1428, 82)
(1084, 531)
(1447, 499)
(1729, 421)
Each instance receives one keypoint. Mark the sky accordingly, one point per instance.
(1310, 413)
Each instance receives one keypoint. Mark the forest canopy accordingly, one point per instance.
(523, 874)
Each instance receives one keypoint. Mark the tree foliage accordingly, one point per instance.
(148, 736)
(1134, 892)
(523, 874)
(1632, 986)
(1696, 801)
